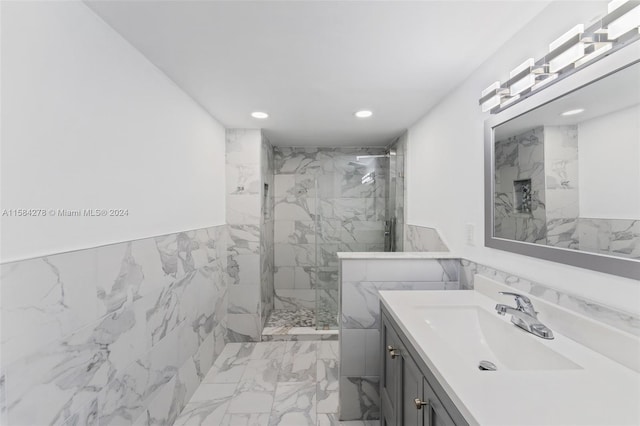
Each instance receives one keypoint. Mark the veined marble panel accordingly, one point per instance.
(322, 206)
(616, 237)
(243, 327)
(361, 302)
(243, 239)
(48, 299)
(360, 320)
(267, 232)
(121, 322)
(359, 398)
(303, 160)
(562, 192)
(250, 204)
(243, 209)
(420, 238)
(295, 299)
(518, 158)
(563, 233)
(396, 189)
(241, 146)
(243, 179)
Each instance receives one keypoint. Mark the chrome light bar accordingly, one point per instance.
(573, 50)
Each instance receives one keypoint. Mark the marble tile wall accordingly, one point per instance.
(565, 227)
(322, 207)
(361, 280)
(561, 185)
(267, 290)
(421, 238)
(555, 220)
(249, 163)
(112, 335)
(244, 220)
(615, 237)
(516, 158)
(397, 190)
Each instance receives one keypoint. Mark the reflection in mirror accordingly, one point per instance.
(567, 174)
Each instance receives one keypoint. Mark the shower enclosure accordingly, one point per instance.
(351, 215)
(328, 201)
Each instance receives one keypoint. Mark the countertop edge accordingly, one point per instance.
(397, 255)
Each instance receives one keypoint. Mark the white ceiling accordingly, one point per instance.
(312, 64)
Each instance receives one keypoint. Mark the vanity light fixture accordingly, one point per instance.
(363, 113)
(566, 49)
(572, 112)
(573, 50)
(628, 19)
(523, 78)
(593, 51)
(259, 115)
(544, 82)
(492, 96)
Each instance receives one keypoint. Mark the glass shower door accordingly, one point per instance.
(326, 247)
(390, 224)
(351, 209)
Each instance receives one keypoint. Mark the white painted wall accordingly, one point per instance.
(609, 158)
(88, 122)
(445, 166)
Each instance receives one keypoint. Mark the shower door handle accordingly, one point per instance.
(387, 235)
(392, 234)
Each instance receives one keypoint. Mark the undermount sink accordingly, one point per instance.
(477, 335)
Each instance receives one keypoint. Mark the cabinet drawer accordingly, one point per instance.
(434, 413)
(390, 361)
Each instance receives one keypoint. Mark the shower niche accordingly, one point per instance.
(523, 196)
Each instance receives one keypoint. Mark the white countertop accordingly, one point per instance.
(601, 392)
(397, 255)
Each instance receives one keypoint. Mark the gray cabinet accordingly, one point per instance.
(390, 375)
(410, 395)
(434, 412)
(411, 378)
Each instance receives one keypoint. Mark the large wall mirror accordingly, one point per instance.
(563, 171)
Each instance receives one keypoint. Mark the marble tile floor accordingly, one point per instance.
(300, 324)
(284, 383)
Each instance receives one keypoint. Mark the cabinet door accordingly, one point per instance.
(434, 413)
(411, 379)
(390, 375)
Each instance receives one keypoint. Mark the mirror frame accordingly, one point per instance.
(607, 66)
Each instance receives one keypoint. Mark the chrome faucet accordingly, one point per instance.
(524, 315)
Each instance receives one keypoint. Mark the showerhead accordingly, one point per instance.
(361, 157)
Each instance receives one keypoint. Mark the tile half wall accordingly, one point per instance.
(112, 335)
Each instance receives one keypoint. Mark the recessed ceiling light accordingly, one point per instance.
(363, 114)
(259, 114)
(573, 112)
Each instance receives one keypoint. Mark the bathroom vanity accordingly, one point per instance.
(432, 345)
(409, 392)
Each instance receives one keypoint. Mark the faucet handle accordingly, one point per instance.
(523, 302)
(517, 296)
